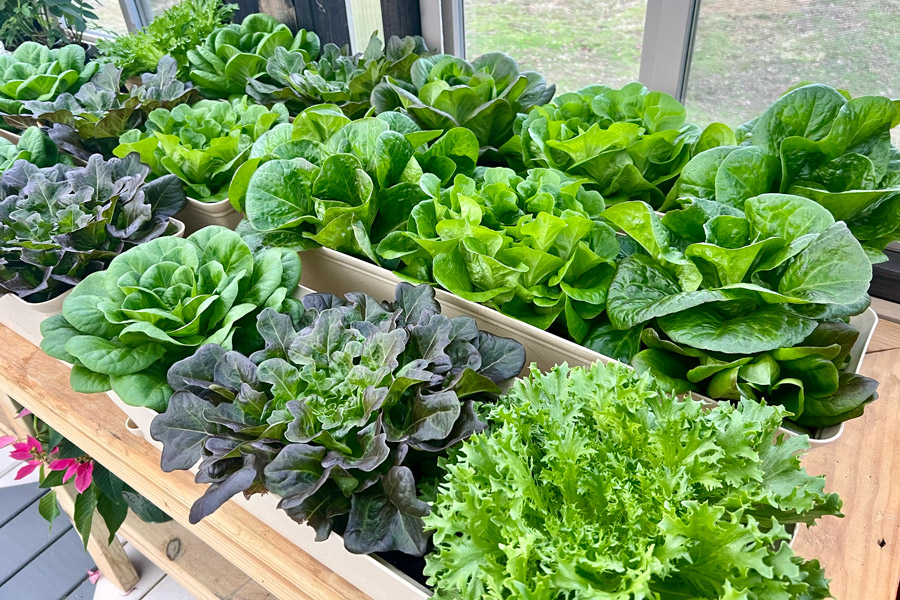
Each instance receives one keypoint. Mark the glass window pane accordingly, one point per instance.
(109, 16)
(748, 52)
(573, 43)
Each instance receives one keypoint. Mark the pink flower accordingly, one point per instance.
(81, 468)
(22, 413)
(6, 440)
(93, 575)
(29, 451)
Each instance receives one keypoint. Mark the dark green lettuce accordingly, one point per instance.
(59, 224)
(749, 302)
(814, 142)
(233, 54)
(343, 412)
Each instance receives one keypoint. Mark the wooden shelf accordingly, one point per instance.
(97, 426)
(861, 552)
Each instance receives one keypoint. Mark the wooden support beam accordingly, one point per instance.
(401, 18)
(328, 18)
(110, 558)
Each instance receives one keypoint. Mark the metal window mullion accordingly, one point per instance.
(137, 13)
(669, 30)
(453, 21)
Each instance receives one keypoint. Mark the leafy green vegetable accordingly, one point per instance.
(301, 80)
(329, 181)
(35, 147)
(160, 301)
(745, 302)
(233, 54)
(341, 414)
(532, 248)
(484, 96)
(203, 144)
(817, 143)
(594, 483)
(175, 31)
(92, 120)
(629, 143)
(59, 224)
(35, 72)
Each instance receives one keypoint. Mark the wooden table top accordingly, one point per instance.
(861, 552)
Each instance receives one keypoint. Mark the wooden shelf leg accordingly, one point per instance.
(109, 558)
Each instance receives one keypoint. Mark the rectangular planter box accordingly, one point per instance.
(331, 271)
(25, 317)
(197, 215)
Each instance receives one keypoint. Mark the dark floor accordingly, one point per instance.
(38, 563)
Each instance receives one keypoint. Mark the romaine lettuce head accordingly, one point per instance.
(817, 142)
(594, 483)
(342, 413)
(158, 302)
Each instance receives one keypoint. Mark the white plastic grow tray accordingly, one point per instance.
(327, 270)
(197, 215)
(25, 317)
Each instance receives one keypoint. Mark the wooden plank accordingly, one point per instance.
(55, 573)
(328, 18)
(190, 562)
(244, 8)
(109, 557)
(41, 383)
(401, 17)
(25, 536)
(283, 10)
(861, 552)
(886, 309)
(887, 337)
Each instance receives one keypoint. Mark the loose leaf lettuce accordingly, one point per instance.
(160, 301)
(38, 73)
(595, 483)
(341, 413)
(92, 120)
(346, 185)
(59, 224)
(203, 144)
(533, 248)
(484, 96)
(629, 143)
(301, 81)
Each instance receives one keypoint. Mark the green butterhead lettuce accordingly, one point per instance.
(36, 72)
(124, 327)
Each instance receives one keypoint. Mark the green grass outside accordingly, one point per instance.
(747, 52)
